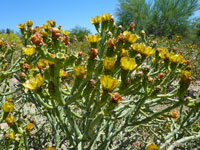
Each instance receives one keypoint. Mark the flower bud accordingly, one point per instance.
(80, 54)
(56, 33)
(132, 26)
(121, 38)
(65, 40)
(115, 97)
(161, 76)
(26, 66)
(93, 53)
(111, 43)
(37, 39)
(142, 32)
(174, 115)
(92, 82)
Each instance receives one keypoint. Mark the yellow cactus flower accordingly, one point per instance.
(108, 82)
(29, 50)
(62, 73)
(163, 53)
(22, 26)
(148, 51)
(175, 58)
(8, 107)
(123, 53)
(141, 48)
(11, 135)
(93, 38)
(79, 71)
(43, 63)
(96, 20)
(186, 77)
(109, 63)
(153, 60)
(131, 38)
(128, 63)
(29, 23)
(29, 126)
(34, 83)
(46, 26)
(49, 22)
(152, 147)
(1, 42)
(10, 120)
(106, 17)
(64, 32)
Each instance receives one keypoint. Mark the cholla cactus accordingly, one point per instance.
(117, 95)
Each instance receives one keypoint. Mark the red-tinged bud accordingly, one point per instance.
(55, 32)
(121, 38)
(21, 74)
(132, 26)
(150, 79)
(115, 97)
(54, 23)
(162, 62)
(65, 40)
(187, 62)
(25, 116)
(33, 121)
(80, 54)
(175, 49)
(33, 133)
(111, 43)
(181, 52)
(60, 26)
(92, 82)
(37, 39)
(189, 68)
(26, 66)
(93, 53)
(161, 75)
(153, 42)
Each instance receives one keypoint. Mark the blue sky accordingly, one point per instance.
(68, 13)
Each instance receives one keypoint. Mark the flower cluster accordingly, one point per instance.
(172, 57)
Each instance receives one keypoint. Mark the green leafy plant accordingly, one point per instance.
(125, 91)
